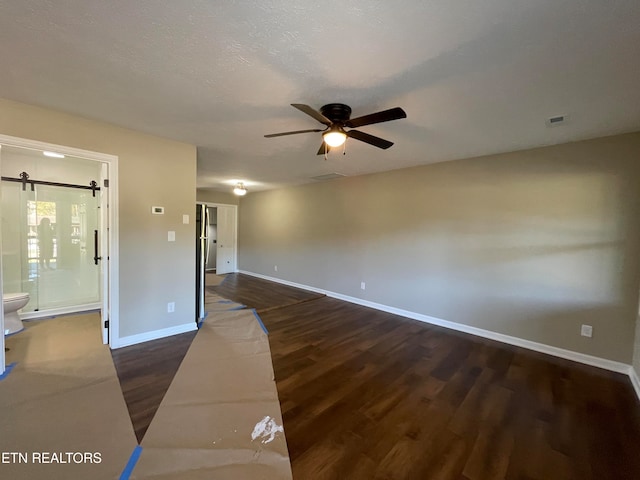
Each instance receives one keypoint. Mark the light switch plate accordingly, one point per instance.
(171, 236)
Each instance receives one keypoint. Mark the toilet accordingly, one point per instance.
(11, 303)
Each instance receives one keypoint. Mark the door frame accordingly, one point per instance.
(2, 355)
(110, 252)
(235, 228)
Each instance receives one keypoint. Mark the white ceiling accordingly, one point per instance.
(475, 77)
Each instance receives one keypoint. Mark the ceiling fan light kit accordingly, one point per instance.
(336, 116)
(334, 137)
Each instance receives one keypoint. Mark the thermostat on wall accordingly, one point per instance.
(157, 210)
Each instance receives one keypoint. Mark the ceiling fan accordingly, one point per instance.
(336, 116)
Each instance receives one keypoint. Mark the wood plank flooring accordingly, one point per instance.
(370, 395)
(261, 294)
(145, 372)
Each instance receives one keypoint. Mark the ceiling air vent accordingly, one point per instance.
(556, 121)
(328, 176)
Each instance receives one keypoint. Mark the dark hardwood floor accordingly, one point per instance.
(145, 372)
(370, 395)
(261, 294)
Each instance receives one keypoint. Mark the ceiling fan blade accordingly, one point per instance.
(324, 148)
(370, 139)
(271, 135)
(378, 117)
(312, 113)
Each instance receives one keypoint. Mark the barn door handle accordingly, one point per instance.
(95, 247)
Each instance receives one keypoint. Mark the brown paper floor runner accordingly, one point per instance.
(211, 279)
(215, 303)
(220, 418)
(62, 414)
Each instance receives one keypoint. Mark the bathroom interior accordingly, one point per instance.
(50, 223)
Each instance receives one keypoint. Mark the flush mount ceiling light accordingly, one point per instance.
(335, 136)
(240, 189)
(53, 154)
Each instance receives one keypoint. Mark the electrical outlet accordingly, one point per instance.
(362, 285)
(586, 331)
(171, 307)
(275, 267)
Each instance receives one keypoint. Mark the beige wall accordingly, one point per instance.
(152, 171)
(636, 347)
(530, 244)
(213, 196)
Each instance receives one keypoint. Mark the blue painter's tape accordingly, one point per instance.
(241, 307)
(131, 464)
(264, 329)
(206, 314)
(7, 370)
(6, 335)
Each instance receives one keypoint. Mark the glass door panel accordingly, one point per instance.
(66, 219)
(20, 266)
(48, 245)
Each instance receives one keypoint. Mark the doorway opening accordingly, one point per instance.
(216, 246)
(59, 230)
(48, 240)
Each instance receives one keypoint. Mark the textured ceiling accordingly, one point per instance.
(474, 77)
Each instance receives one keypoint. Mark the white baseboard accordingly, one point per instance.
(291, 284)
(508, 339)
(154, 335)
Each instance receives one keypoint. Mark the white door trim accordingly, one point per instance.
(2, 357)
(103, 251)
(111, 302)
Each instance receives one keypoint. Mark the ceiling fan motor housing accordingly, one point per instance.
(336, 112)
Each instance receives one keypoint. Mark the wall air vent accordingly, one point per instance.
(328, 176)
(556, 121)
